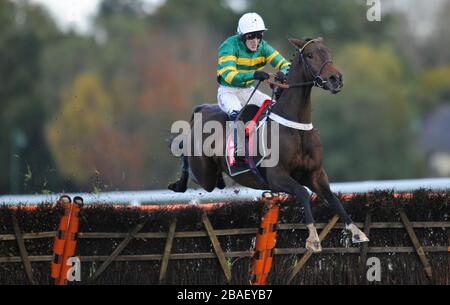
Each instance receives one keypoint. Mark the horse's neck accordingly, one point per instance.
(295, 103)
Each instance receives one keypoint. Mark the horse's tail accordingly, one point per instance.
(180, 185)
(170, 139)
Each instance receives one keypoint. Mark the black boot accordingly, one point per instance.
(240, 160)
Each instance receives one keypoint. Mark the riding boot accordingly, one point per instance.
(240, 160)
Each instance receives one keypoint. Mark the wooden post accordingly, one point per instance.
(117, 251)
(417, 245)
(23, 251)
(308, 253)
(167, 249)
(364, 247)
(217, 248)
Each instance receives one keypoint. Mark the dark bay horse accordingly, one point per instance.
(301, 154)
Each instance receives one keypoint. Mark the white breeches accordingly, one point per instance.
(233, 99)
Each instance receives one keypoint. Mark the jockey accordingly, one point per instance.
(242, 58)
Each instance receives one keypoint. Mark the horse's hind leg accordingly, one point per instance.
(321, 186)
(220, 182)
(205, 172)
(180, 186)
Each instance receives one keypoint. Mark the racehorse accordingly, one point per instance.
(300, 151)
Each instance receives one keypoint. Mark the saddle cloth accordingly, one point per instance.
(255, 118)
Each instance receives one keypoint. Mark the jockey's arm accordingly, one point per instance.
(276, 60)
(227, 67)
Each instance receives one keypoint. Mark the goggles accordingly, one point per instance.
(254, 35)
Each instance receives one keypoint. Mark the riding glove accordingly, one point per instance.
(260, 75)
(281, 77)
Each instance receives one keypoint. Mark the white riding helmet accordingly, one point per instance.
(249, 23)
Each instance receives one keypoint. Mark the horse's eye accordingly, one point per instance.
(310, 55)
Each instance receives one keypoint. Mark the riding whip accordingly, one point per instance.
(251, 95)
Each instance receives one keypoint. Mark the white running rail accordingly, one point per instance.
(229, 194)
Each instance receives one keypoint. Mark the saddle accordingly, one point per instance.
(254, 117)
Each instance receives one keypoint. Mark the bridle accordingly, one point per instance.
(317, 79)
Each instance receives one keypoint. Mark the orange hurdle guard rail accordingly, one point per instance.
(66, 238)
(266, 238)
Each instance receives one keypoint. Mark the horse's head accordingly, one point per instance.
(315, 58)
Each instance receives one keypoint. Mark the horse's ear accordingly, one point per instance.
(296, 42)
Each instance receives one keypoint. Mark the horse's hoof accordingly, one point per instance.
(360, 238)
(176, 187)
(314, 246)
(221, 185)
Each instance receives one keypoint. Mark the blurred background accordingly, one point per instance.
(89, 88)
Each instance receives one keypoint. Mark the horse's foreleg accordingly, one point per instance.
(283, 182)
(321, 186)
(280, 181)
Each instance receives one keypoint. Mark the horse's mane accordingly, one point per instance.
(280, 90)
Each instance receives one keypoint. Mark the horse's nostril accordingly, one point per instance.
(334, 79)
